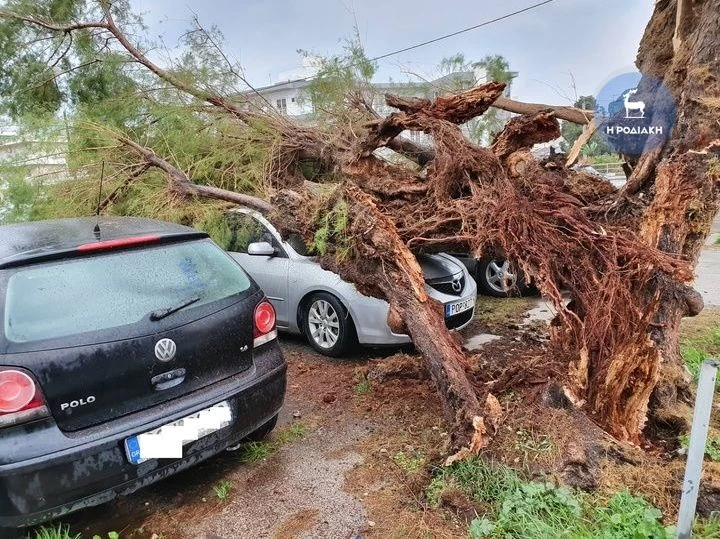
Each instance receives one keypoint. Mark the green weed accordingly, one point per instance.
(712, 446)
(531, 445)
(409, 464)
(363, 387)
(255, 451)
(110, 535)
(523, 509)
(707, 528)
(58, 531)
(698, 348)
(222, 490)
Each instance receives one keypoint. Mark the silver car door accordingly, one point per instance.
(270, 272)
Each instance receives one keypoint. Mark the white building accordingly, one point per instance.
(289, 95)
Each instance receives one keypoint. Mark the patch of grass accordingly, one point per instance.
(531, 445)
(256, 451)
(707, 528)
(363, 387)
(222, 490)
(480, 480)
(712, 446)
(409, 464)
(522, 509)
(497, 313)
(717, 240)
(296, 431)
(700, 346)
(59, 531)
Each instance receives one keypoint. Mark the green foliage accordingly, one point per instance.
(363, 387)
(479, 479)
(521, 509)
(698, 348)
(110, 535)
(712, 446)
(338, 78)
(537, 511)
(533, 510)
(627, 516)
(255, 451)
(411, 463)
(297, 431)
(58, 531)
(707, 528)
(497, 68)
(571, 131)
(531, 445)
(331, 229)
(222, 490)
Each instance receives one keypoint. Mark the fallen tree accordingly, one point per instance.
(623, 258)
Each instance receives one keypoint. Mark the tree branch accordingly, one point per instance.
(186, 186)
(571, 114)
(53, 27)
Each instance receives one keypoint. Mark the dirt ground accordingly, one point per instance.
(337, 464)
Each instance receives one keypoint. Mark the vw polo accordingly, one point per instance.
(130, 350)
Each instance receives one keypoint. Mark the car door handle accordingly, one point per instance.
(168, 379)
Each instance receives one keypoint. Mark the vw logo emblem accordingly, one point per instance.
(165, 349)
(456, 285)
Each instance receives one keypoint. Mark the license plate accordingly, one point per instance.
(167, 442)
(459, 306)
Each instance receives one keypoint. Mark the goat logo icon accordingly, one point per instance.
(633, 105)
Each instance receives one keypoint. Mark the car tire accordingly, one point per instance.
(499, 278)
(261, 433)
(327, 325)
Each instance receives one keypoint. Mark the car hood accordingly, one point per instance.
(440, 267)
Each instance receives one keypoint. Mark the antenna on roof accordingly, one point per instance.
(96, 230)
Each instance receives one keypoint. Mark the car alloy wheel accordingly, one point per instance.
(501, 276)
(324, 323)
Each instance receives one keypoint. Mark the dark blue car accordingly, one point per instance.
(130, 349)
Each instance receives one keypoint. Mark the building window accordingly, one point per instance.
(282, 105)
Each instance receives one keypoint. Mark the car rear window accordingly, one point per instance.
(110, 290)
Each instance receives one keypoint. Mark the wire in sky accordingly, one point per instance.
(507, 16)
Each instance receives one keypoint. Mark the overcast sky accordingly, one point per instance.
(590, 40)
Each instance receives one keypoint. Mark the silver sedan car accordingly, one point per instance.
(317, 303)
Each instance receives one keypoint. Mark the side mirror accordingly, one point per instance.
(261, 248)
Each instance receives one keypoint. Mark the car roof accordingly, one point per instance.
(24, 242)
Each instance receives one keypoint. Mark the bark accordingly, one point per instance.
(679, 188)
(571, 114)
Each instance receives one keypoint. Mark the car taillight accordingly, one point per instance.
(264, 322)
(20, 399)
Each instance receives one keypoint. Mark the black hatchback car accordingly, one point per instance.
(130, 349)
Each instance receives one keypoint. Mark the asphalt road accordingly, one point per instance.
(707, 273)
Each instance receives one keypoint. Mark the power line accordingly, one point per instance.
(507, 16)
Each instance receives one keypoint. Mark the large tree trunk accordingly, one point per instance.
(679, 187)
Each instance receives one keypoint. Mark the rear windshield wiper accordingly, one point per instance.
(162, 313)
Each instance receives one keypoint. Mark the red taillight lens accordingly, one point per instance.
(264, 323)
(20, 400)
(264, 318)
(17, 390)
